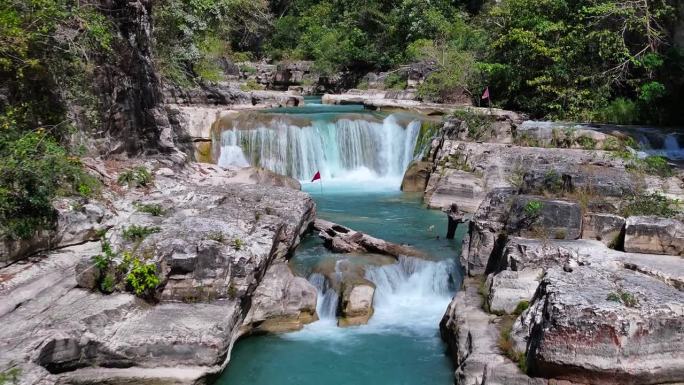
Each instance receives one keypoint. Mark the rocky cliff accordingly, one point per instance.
(218, 244)
(566, 283)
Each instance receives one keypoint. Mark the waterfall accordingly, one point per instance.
(326, 307)
(336, 148)
(410, 295)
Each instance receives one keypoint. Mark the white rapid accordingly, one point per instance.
(410, 298)
(353, 147)
(411, 295)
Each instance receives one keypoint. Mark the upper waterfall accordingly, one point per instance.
(339, 146)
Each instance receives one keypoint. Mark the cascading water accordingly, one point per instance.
(326, 306)
(337, 148)
(400, 344)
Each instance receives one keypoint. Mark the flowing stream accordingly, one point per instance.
(362, 159)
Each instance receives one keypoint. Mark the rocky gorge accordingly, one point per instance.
(202, 253)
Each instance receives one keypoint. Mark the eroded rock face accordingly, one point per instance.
(509, 288)
(654, 235)
(606, 228)
(601, 326)
(416, 177)
(485, 232)
(281, 302)
(537, 217)
(57, 332)
(76, 223)
(356, 302)
(471, 337)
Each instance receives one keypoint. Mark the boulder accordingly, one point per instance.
(606, 228)
(509, 288)
(536, 217)
(416, 177)
(281, 302)
(356, 302)
(604, 326)
(341, 239)
(654, 235)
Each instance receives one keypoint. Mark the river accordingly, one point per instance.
(361, 156)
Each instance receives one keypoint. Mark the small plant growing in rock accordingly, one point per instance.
(10, 376)
(143, 277)
(154, 209)
(521, 307)
(232, 291)
(217, 236)
(561, 234)
(137, 177)
(533, 208)
(624, 297)
(107, 284)
(586, 142)
(138, 233)
(237, 244)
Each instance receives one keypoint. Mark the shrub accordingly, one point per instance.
(153, 209)
(138, 233)
(624, 297)
(586, 142)
(619, 111)
(479, 126)
(137, 177)
(34, 169)
(650, 204)
(237, 244)
(10, 376)
(217, 236)
(533, 208)
(521, 307)
(251, 85)
(394, 81)
(143, 277)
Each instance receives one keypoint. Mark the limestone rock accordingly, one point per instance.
(356, 302)
(471, 337)
(341, 239)
(605, 326)
(537, 217)
(508, 288)
(606, 228)
(456, 186)
(521, 253)
(58, 332)
(485, 232)
(654, 235)
(281, 302)
(416, 177)
(76, 223)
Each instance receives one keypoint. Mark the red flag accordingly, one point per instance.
(485, 95)
(317, 176)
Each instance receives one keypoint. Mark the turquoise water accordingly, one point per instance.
(400, 345)
(362, 157)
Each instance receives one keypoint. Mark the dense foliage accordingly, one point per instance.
(46, 50)
(597, 60)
